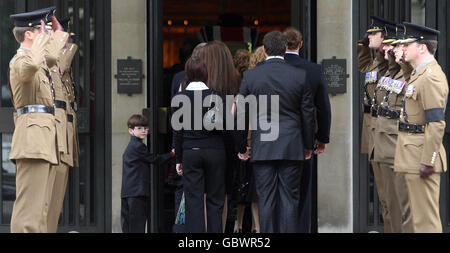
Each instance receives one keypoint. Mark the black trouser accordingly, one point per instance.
(134, 214)
(277, 186)
(305, 197)
(204, 171)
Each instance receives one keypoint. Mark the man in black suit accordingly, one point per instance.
(319, 88)
(278, 158)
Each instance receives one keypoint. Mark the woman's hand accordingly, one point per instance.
(246, 156)
(179, 168)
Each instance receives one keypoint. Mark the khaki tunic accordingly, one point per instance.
(34, 145)
(430, 92)
(35, 133)
(386, 130)
(367, 64)
(391, 90)
(67, 55)
(60, 114)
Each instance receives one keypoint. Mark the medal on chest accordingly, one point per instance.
(397, 86)
(371, 77)
(410, 91)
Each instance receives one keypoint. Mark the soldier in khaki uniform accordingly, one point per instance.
(374, 68)
(65, 129)
(34, 148)
(67, 77)
(420, 155)
(388, 100)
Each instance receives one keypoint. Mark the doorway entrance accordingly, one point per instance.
(172, 24)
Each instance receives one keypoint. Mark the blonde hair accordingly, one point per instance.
(242, 60)
(257, 57)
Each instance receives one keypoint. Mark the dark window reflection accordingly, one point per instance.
(8, 179)
(8, 46)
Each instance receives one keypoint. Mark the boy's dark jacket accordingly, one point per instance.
(136, 168)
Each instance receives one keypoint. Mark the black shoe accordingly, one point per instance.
(238, 231)
(255, 232)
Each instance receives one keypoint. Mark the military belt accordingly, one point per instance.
(390, 114)
(36, 109)
(367, 108)
(411, 128)
(70, 118)
(60, 104)
(375, 112)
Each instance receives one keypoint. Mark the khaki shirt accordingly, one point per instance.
(60, 114)
(391, 91)
(374, 68)
(67, 55)
(427, 92)
(34, 135)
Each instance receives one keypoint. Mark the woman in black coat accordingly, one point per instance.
(200, 152)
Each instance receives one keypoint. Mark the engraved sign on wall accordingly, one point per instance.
(129, 76)
(335, 71)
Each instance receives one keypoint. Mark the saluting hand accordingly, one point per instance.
(56, 26)
(365, 41)
(43, 29)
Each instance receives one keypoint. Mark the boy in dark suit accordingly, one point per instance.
(136, 176)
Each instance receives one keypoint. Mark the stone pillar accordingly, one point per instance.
(128, 38)
(335, 187)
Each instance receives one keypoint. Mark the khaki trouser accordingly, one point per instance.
(396, 196)
(403, 199)
(424, 200)
(34, 186)
(378, 175)
(57, 198)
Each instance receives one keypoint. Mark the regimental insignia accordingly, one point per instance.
(371, 77)
(410, 91)
(397, 86)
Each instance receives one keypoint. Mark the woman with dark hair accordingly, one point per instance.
(222, 75)
(200, 154)
(224, 78)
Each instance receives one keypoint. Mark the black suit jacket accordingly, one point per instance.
(296, 110)
(136, 168)
(176, 81)
(319, 88)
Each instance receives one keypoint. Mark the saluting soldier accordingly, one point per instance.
(420, 155)
(64, 131)
(388, 101)
(371, 62)
(34, 145)
(67, 56)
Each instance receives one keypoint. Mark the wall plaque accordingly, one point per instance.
(129, 76)
(335, 71)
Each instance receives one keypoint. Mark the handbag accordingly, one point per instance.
(241, 182)
(180, 219)
(214, 115)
